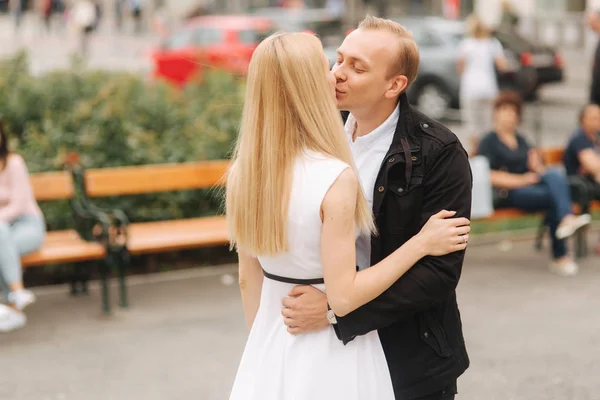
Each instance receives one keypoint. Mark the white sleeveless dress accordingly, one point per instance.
(315, 366)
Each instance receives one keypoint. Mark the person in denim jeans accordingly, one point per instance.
(22, 231)
(519, 176)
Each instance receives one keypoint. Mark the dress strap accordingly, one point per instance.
(294, 281)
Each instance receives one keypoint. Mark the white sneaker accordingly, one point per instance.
(21, 298)
(568, 268)
(569, 228)
(11, 319)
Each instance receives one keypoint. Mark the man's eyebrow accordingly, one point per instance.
(357, 59)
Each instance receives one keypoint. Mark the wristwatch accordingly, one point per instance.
(331, 316)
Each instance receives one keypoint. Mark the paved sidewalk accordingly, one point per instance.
(531, 336)
(48, 51)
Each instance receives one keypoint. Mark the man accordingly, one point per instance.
(582, 156)
(410, 167)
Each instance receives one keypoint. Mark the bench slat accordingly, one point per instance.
(154, 237)
(154, 178)
(52, 185)
(64, 247)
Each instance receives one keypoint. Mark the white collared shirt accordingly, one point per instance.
(368, 152)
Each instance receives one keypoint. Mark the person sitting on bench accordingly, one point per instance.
(521, 180)
(22, 231)
(582, 155)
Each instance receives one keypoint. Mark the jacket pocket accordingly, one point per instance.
(403, 211)
(433, 334)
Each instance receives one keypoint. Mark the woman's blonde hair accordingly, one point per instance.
(288, 108)
(476, 28)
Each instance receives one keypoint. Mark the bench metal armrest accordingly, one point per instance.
(109, 226)
(580, 192)
(92, 226)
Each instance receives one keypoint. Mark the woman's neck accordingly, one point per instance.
(505, 132)
(508, 137)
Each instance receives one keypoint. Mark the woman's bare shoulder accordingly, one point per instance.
(343, 190)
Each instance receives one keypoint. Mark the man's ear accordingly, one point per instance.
(398, 85)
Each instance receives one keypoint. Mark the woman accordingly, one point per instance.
(479, 55)
(522, 181)
(294, 209)
(22, 230)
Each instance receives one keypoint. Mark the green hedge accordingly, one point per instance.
(116, 119)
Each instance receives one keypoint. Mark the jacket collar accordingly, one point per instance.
(405, 126)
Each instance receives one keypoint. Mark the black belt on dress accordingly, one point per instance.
(294, 281)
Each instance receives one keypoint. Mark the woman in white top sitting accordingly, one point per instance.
(479, 55)
(22, 231)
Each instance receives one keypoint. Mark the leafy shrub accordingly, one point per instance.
(116, 119)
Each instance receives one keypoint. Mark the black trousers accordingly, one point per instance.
(448, 393)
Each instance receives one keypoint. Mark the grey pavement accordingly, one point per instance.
(47, 51)
(530, 335)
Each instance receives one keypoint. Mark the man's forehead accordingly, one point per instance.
(368, 45)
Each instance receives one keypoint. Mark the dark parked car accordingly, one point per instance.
(436, 89)
(437, 86)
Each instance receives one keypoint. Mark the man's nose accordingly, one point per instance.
(338, 72)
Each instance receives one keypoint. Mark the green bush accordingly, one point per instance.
(116, 119)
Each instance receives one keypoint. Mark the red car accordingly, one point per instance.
(225, 42)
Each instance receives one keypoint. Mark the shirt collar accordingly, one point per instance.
(386, 128)
(595, 140)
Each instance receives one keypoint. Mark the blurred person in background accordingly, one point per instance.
(521, 180)
(594, 24)
(46, 9)
(137, 9)
(85, 18)
(22, 231)
(582, 155)
(510, 18)
(18, 9)
(162, 20)
(118, 7)
(479, 55)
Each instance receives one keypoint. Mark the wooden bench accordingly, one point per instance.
(162, 236)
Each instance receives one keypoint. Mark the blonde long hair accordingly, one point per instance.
(288, 108)
(476, 28)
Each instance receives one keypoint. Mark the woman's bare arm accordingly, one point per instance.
(347, 289)
(506, 180)
(250, 280)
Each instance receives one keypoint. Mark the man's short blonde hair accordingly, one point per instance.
(407, 60)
